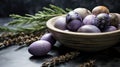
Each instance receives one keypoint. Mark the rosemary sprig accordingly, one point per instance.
(36, 22)
(41, 16)
(61, 59)
(4, 28)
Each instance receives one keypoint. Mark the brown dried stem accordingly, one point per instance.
(19, 39)
(90, 63)
(61, 59)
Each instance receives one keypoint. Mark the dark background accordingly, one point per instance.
(32, 6)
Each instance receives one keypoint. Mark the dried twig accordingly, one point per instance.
(90, 63)
(61, 59)
(19, 39)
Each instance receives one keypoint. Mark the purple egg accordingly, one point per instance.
(89, 29)
(103, 20)
(73, 16)
(90, 20)
(60, 23)
(110, 28)
(39, 48)
(48, 37)
(74, 25)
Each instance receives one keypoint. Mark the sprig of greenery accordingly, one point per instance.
(35, 22)
(4, 28)
(41, 16)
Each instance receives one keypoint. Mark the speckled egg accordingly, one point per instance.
(103, 20)
(83, 12)
(118, 15)
(114, 21)
(100, 9)
(72, 15)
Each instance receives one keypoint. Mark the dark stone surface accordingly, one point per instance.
(15, 56)
(32, 6)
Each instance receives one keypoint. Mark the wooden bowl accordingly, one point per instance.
(83, 41)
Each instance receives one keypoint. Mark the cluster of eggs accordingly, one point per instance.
(78, 20)
(42, 46)
(82, 20)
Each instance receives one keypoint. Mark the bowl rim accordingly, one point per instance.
(52, 27)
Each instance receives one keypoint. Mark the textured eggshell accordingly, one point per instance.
(100, 9)
(83, 12)
(89, 29)
(60, 23)
(72, 15)
(49, 37)
(74, 25)
(39, 48)
(103, 20)
(114, 21)
(118, 15)
(90, 20)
